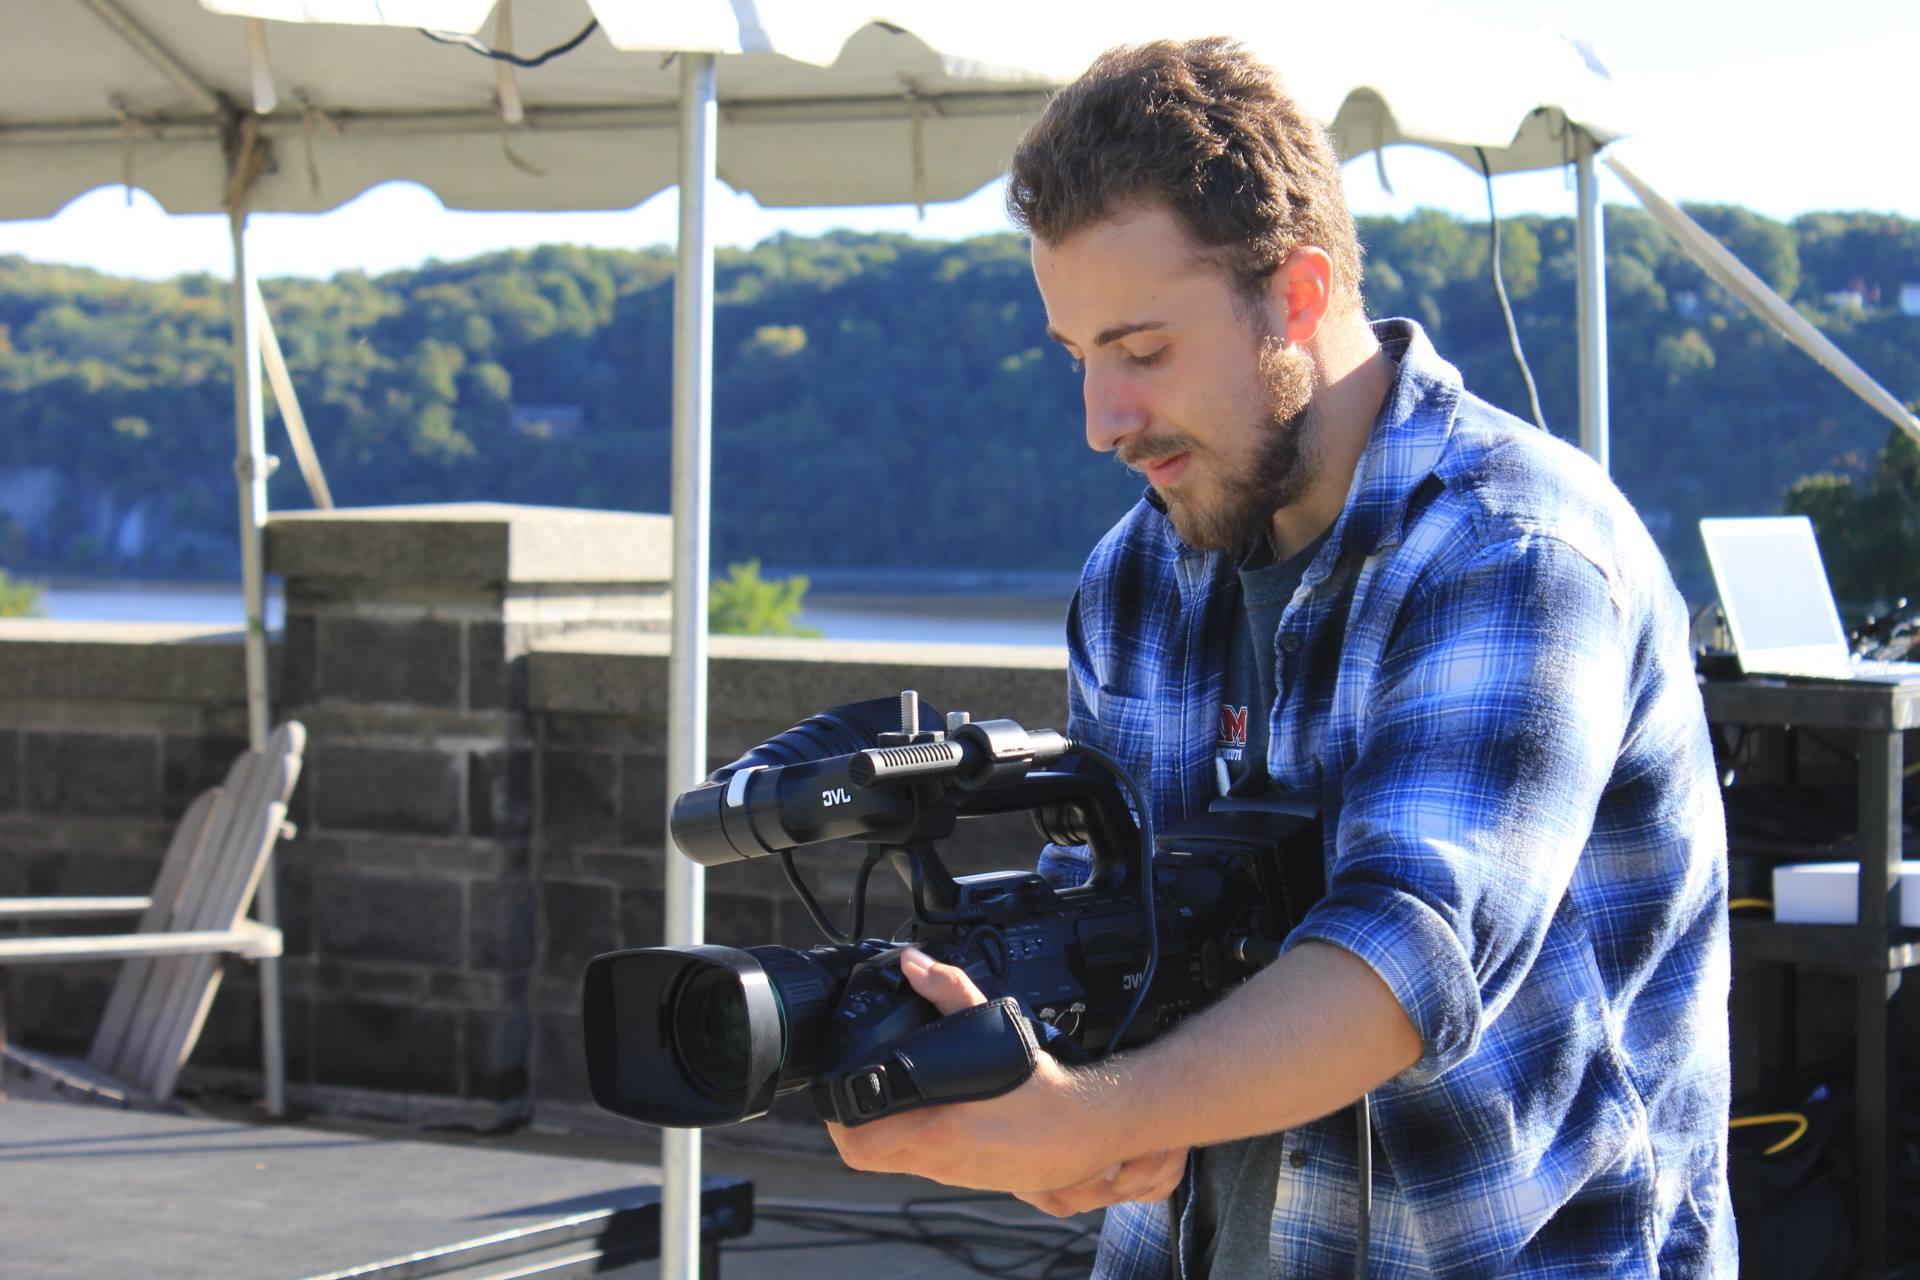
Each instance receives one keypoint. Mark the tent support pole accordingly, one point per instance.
(1739, 280)
(1590, 252)
(251, 469)
(687, 667)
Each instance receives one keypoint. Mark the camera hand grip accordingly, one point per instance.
(969, 1056)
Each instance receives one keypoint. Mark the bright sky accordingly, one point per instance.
(1783, 108)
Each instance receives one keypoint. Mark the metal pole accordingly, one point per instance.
(251, 469)
(1882, 772)
(1590, 252)
(687, 668)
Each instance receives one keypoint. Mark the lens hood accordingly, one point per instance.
(683, 1037)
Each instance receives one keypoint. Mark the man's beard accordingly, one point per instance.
(1284, 465)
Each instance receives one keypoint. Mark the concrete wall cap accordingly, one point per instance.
(472, 544)
(69, 631)
(139, 661)
(774, 676)
(616, 644)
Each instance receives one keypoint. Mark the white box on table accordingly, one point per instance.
(1829, 893)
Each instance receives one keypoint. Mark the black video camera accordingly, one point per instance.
(693, 1036)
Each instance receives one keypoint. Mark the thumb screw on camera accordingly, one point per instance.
(909, 731)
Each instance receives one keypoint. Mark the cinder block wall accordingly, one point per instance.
(483, 802)
(410, 899)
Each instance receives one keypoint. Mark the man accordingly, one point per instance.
(1452, 632)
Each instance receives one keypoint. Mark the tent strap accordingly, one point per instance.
(1718, 262)
(247, 161)
(511, 109)
(284, 396)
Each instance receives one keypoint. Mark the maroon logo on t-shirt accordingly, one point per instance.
(1233, 726)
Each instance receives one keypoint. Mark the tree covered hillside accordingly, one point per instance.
(880, 401)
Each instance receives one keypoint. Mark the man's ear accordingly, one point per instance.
(1300, 291)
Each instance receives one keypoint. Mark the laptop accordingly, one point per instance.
(1773, 590)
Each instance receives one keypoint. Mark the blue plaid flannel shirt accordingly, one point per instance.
(1485, 678)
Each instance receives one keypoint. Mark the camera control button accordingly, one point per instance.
(869, 1090)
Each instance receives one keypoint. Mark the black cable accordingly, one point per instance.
(1048, 1246)
(1506, 307)
(1145, 816)
(1701, 611)
(807, 900)
(1076, 1238)
(857, 898)
(1732, 753)
(472, 45)
(1363, 1231)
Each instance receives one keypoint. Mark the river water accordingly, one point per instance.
(1025, 617)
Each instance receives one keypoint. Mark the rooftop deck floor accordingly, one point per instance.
(91, 1191)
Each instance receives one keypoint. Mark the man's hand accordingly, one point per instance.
(1148, 1177)
(1049, 1142)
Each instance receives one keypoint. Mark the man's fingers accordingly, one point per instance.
(1149, 1177)
(1053, 1203)
(875, 1147)
(1082, 1198)
(1153, 1177)
(942, 985)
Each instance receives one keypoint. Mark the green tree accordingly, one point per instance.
(1869, 536)
(886, 402)
(1769, 248)
(745, 604)
(19, 599)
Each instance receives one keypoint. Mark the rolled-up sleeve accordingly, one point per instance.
(1491, 728)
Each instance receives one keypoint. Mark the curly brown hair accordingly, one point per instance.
(1204, 127)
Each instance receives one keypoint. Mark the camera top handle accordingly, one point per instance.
(845, 774)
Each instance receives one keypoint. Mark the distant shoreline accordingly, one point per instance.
(965, 608)
(933, 582)
(880, 583)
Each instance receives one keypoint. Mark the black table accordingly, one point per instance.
(1875, 950)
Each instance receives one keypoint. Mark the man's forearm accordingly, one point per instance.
(1304, 1037)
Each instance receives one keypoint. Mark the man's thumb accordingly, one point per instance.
(945, 987)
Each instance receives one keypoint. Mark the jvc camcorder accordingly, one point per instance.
(693, 1036)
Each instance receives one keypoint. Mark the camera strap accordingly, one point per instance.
(969, 1056)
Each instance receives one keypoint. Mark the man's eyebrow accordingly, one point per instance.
(1112, 334)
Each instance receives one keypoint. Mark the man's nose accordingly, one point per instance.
(1114, 412)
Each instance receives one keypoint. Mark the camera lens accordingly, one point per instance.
(696, 1036)
(709, 1031)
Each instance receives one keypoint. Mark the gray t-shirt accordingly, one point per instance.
(1232, 1186)
(1266, 587)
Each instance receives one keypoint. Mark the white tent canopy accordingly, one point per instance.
(820, 103)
